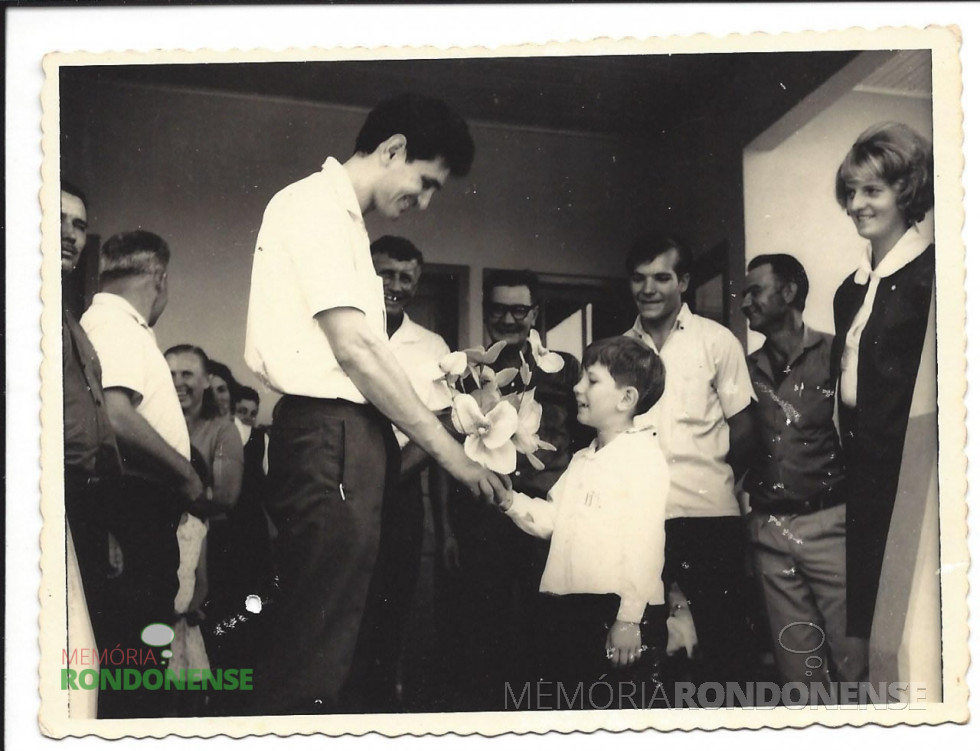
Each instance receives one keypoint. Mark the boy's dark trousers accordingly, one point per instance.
(572, 646)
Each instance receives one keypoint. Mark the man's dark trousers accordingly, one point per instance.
(329, 461)
(142, 515)
(706, 557)
(86, 508)
(374, 685)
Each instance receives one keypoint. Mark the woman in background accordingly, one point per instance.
(884, 316)
(217, 455)
(223, 386)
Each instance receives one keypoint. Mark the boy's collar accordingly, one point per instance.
(643, 422)
(635, 428)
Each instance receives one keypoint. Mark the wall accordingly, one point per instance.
(789, 194)
(198, 167)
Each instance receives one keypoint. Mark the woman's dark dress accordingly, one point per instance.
(873, 432)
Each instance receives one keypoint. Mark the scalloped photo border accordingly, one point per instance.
(944, 43)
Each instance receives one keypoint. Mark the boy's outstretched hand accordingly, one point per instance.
(624, 644)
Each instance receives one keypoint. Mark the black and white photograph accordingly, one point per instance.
(475, 390)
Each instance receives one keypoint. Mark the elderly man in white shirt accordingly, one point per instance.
(706, 428)
(158, 480)
(316, 334)
(399, 264)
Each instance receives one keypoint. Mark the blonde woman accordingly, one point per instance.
(884, 324)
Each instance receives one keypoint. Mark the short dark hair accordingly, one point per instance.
(788, 269)
(72, 190)
(209, 407)
(132, 254)
(651, 246)
(430, 127)
(630, 363)
(245, 393)
(511, 278)
(397, 249)
(899, 156)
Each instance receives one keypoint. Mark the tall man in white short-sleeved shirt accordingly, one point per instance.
(158, 481)
(706, 427)
(316, 334)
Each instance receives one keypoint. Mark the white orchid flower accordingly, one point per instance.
(489, 394)
(501, 379)
(487, 435)
(483, 355)
(478, 360)
(453, 364)
(525, 372)
(548, 361)
(526, 436)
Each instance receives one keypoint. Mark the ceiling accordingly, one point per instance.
(636, 96)
(908, 73)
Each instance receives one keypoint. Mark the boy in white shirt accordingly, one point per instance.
(605, 518)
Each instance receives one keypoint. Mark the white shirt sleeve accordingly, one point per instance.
(536, 516)
(120, 350)
(317, 238)
(732, 381)
(420, 361)
(641, 533)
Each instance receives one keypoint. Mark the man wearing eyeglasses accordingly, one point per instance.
(499, 567)
(510, 312)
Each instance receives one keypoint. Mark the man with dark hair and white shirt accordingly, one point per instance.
(706, 426)
(316, 334)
